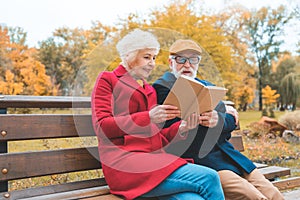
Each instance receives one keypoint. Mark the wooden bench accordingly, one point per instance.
(29, 164)
(19, 166)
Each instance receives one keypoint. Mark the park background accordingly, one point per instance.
(245, 51)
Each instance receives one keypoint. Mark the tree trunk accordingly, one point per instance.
(245, 107)
(260, 94)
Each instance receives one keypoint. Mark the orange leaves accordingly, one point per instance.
(269, 95)
(21, 73)
(4, 38)
(9, 86)
(245, 94)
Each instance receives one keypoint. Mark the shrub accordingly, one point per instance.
(258, 130)
(291, 120)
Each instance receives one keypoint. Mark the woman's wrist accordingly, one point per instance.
(182, 130)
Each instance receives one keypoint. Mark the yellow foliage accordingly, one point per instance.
(183, 22)
(24, 74)
(9, 86)
(269, 96)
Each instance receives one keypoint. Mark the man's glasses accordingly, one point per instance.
(182, 60)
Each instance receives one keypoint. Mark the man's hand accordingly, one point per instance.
(209, 119)
(231, 110)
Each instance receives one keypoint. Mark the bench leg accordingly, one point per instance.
(3, 149)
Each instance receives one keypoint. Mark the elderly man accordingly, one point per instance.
(208, 144)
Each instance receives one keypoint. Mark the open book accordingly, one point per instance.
(190, 96)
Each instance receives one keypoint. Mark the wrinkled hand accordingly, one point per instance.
(231, 110)
(162, 113)
(209, 119)
(190, 123)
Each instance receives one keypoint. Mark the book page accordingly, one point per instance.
(190, 96)
(209, 98)
(182, 95)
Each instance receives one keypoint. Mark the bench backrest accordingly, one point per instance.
(26, 127)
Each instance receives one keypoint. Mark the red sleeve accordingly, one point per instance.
(103, 117)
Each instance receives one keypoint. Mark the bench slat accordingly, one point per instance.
(65, 187)
(260, 165)
(24, 101)
(114, 197)
(272, 172)
(76, 194)
(24, 165)
(40, 126)
(104, 197)
(288, 183)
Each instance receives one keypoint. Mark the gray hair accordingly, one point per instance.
(137, 40)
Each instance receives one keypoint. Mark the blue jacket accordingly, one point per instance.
(206, 146)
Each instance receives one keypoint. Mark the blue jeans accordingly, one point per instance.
(189, 182)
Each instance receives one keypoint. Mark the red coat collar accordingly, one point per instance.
(127, 79)
(120, 71)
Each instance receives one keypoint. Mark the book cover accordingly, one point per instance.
(190, 95)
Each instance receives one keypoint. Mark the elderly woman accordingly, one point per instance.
(126, 119)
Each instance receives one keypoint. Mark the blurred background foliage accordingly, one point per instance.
(241, 52)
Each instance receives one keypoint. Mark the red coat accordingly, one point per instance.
(130, 146)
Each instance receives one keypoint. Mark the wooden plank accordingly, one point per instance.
(114, 197)
(237, 142)
(272, 172)
(39, 126)
(288, 183)
(24, 165)
(65, 187)
(104, 197)
(75, 194)
(260, 165)
(24, 101)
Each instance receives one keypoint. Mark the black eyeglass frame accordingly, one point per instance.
(187, 59)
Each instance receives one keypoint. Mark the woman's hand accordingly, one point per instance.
(162, 113)
(191, 123)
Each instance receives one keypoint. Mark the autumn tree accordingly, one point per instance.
(23, 74)
(4, 49)
(50, 54)
(290, 89)
(181, 17)
(65, 52)
(286, 65)
(8, 84)
(29, 72)
(243, 97)
(269, 99)
(265, 27)
(62, 56)
(99, 55)
(240, 80)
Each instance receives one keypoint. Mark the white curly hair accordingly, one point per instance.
(137, 40)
